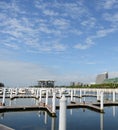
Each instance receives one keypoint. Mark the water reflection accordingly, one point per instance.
(1, 115)
(53, 126)
(101, 121)
(114, 111)
(46, 116)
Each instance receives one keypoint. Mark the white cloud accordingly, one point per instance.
(107, 4)
(22, 73)
(82, 46)
(88, 43)
(63, 23)
(104, 32)
(111, 17)
(110, 3)
(13, 46)
(16, 73)
(50, 13)
(59, 47)
(89, 23)
(113, 74)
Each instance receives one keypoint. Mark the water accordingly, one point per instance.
(76, 119)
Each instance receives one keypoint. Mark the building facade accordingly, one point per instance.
(46, 83)
(101, 77)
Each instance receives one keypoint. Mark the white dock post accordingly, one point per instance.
(71, 95)
(40, 95)
(53, 102)
(80, 93)
(101, 102)
(98, 95)
(16, 91)
(37, 93)
(3, 100)
(62, 114)
(113, 96)
(46, 100)
(11, 93)
(60, 93)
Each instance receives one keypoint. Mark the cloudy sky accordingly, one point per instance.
(61, 40)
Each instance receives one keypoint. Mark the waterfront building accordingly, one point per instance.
(111, 80)
(46, 83)
(101, 77)
(76, 84)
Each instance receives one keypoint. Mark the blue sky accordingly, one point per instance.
(61, 40)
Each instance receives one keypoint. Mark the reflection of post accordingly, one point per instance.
(2, 115)
(39, 113)
(71, 111)
(114, 111)
(53, 123)
(62, 114)
(101, 121)
(46, 117)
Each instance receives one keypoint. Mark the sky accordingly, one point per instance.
(61, 40)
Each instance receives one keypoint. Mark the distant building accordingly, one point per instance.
(111, 80)
(46, 83)
(101, 77)
(75, 83)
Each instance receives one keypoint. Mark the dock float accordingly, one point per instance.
(42, 106)
(83, 105)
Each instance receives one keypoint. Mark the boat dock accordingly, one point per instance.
(54, 94)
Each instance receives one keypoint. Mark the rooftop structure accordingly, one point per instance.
(46, 83)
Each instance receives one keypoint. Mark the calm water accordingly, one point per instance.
(77, 119)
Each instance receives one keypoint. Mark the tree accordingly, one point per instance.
(1, 85)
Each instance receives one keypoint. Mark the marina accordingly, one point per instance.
(56, 93)
(56, 102)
